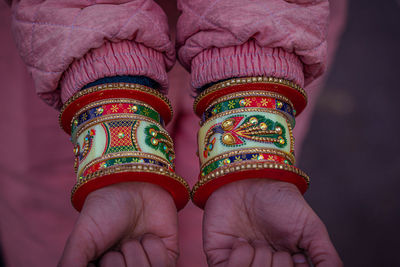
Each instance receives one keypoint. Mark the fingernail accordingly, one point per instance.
(299, 258)
(241, 239)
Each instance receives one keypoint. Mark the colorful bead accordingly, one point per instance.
(244, 100)
(153, 132)
(108, 108)
(239, 126)
(228, 139)
(243, 130)
(114, 137)
(154, 141)
(253, 120)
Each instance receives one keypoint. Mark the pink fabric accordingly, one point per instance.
(248, 59)
(70, 38)
(298, 27)
(36, 173)
(51, 35)
(111, 59)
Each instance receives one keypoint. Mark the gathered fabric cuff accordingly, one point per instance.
(114, 59)
(248, 59)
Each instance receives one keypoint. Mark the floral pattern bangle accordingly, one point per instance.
(239, 100)
(286, 88)
(122, 135)
(118, 136)
(246, 133)
(135, 92)
(258, 129)
(113, 106)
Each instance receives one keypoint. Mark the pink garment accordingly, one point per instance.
(67, 43)
(65, 47)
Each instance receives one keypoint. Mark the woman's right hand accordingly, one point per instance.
(124, 224)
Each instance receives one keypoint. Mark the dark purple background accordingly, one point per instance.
(352, 150)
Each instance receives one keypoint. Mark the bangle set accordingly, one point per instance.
(246, 132)
(118, 135)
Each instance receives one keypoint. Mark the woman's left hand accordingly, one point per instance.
(261, 222)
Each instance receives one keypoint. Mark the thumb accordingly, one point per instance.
(105, 217)
(81, 247)
(95, 231)
(319, 247)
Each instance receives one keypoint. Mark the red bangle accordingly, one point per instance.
(256, 170)
(227, 135)
(129, 91)
(118, 136)
(288, 89)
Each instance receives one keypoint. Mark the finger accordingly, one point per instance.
(156, 251)
(76, 252)
(262, 254)
(134, 254)
(112, 259)
(300, 260)
(242, 254)
(323, 254)
(319, 246)
(282, 259)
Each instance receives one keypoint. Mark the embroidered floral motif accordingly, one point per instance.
(81, 152)
(159, 140)
(114, 108)
(235, 130)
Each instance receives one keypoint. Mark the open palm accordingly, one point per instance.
(261, 222)
(127, 224)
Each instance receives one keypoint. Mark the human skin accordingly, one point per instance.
(262, 222)
(256, 222)
(127, 224)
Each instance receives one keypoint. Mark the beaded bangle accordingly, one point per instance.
(288, 89)
(246, 132)
(118, 136)
(114, 90)
(113, 106)
(257, 99)
(247, 129)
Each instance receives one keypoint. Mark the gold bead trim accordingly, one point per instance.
(288, 156)
(113, 86)
(250, 94)
(138, 154)
(111, 101)
(244, 80)
(244, 166)
(247, 110)
(130, 168)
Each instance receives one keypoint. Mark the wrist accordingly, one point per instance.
(133, 194)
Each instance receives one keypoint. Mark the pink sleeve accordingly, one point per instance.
(69, 43)
(219, 39)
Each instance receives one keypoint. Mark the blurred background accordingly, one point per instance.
(352, 149)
